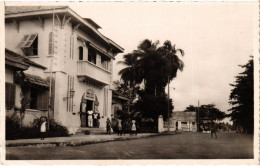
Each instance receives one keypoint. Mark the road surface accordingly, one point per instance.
(180, 146)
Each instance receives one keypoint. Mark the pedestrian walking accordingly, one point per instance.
(119, 126)
(213, 131)
(133, 128)
(43, 128)
(108, 122)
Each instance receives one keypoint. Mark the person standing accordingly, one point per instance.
(133, 128)
(119, 126)
(108, 122)
(95, 116)
(90, 119)
(213, 131)
(43, 128)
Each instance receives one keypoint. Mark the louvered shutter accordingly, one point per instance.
(24, 40)
(98, 60)
(50, 43)
(42, 99)
(29, 42)
(9, 94)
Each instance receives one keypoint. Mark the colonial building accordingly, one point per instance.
(77, 57)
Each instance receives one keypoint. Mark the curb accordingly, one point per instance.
(77, 142)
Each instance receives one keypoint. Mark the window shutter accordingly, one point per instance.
(9, 94)
(50, 43)
(24, 40)
(39, 99)
(45, 99)
(30, 40)
(42, 99)
(98, 60)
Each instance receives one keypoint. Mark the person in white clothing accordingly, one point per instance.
(90, 119)
(43, 128)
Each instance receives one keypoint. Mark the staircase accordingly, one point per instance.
(90, 131)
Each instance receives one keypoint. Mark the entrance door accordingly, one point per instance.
(89, 107)
(83, 115)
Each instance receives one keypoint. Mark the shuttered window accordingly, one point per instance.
(9, 94)
(27, 41)
(50, 43)
(29, 44)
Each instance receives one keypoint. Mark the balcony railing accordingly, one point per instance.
(93, 72)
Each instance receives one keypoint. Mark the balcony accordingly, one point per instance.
(93, 73)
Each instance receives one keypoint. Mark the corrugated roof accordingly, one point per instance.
(36, 80)
(15, 60)
(20, 58)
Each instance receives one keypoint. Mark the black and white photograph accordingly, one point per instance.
(130, 81)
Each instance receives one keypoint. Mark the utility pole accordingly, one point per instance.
(52, 54)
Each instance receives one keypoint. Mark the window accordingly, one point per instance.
(80, 53)
(9, 94)
(39, 99)
(29, 45)
(92, 56)
(183, 122)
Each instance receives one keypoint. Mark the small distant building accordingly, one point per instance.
(180, 120)
(119, 102)
(185, 121)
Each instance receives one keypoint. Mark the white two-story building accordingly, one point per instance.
(77, 56)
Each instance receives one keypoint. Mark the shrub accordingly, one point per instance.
(56, 129)
(12, 125)
(14, 131)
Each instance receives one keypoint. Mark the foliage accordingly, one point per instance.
(154, 66)
(14, 131)
(152, 106)
(123, 88)
(12, 125)
(242, 99)
(207, 111)
(20, 78)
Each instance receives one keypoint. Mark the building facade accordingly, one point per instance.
(77, 56)
(35, 88)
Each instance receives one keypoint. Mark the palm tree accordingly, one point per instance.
(129, 73)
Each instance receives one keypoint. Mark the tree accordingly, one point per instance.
(155, 67)
(208, 111)
(242, 98)
(24, 100)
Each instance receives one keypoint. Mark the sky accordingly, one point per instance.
(216, 38)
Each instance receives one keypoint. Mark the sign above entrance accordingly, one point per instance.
(89, 95)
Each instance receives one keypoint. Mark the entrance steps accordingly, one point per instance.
(90, 131)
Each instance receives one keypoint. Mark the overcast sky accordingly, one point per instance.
(216, 38)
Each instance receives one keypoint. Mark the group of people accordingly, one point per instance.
(93, 118)
(121, 128)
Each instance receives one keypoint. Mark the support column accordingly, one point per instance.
(160, 124)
